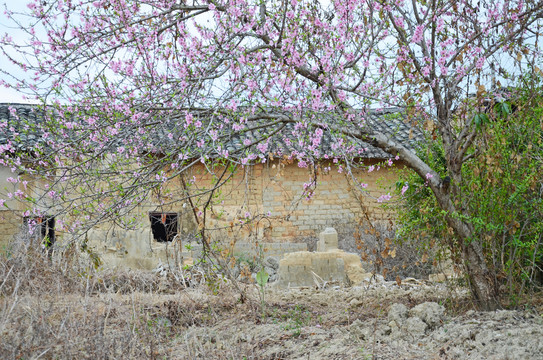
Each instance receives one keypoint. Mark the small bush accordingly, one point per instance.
(501, 193)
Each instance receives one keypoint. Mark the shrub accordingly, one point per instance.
(501, 188)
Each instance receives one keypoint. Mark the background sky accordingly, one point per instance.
(19, 6)
(10, 95)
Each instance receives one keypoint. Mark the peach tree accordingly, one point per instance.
(138, 91)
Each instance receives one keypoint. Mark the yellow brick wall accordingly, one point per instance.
(10, 225)
(277, 188)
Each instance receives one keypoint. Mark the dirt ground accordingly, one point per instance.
(416, 320)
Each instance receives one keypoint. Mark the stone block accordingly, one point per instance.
(327, 240)
(297, 258)
(300, 268)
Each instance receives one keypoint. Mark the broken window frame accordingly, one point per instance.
(43, 231)
(164, 226)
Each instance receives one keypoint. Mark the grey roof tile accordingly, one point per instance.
(21, 127)
(389, 121)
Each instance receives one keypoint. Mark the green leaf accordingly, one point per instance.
(480, 119)
(503, 108)
(262, 278)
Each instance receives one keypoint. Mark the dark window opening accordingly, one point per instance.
(42, 227)
(163, 226)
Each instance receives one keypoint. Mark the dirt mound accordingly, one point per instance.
(162, 320)
(357, 323)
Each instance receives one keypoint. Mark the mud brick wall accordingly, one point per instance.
(266, 202)
(263, 202)
(10, 225)
(275, 191)
(251, 250)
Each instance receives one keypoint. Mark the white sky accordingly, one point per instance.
(10, 95)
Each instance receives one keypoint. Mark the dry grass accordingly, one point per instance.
(62, 308)
(59, 307)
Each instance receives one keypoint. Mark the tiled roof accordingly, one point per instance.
(388, 121)
(20, 127)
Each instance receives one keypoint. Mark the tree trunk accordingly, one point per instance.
(481, 281)
(482, 285)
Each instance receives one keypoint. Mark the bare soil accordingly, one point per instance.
(414, 320)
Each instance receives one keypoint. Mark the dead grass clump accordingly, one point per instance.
(129, 281)
(79, 327)
(52, 306)
(27, 269)
(48, 329)
(381, 252)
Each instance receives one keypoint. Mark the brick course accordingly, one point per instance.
(10, 225)
(277, 188)
(273, 187)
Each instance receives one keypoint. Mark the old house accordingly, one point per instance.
(269, 201)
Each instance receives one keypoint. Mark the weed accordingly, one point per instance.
(297, 319)
(365, 355)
